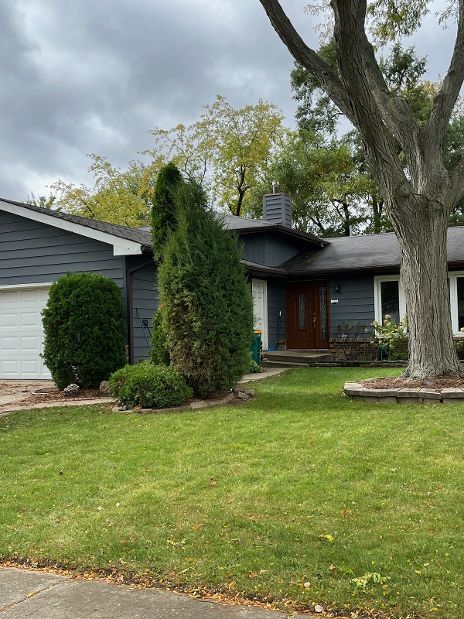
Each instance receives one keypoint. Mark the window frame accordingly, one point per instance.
(453, 297)
(378, 280)
(453, 291)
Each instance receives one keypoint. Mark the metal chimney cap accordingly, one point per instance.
(275, 187)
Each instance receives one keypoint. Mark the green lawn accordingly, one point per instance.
(289, 497)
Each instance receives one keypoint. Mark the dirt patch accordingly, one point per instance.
(440, 382)
(58, 396)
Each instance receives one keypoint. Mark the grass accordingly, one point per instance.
(299, 496)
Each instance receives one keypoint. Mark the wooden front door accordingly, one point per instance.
(307, 315)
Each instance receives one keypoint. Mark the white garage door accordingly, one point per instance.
(21, 333)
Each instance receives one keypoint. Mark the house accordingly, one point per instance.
(304, 287)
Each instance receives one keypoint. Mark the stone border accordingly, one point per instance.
(406, 395)
(236, 396)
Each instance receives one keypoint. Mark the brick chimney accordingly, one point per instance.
(277, 207)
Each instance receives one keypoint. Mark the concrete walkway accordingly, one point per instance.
(42, 595)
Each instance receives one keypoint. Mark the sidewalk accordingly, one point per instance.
(42, 595)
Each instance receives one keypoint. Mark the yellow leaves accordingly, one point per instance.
(327, 537)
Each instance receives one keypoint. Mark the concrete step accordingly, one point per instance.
(288, 356)
(282, 364)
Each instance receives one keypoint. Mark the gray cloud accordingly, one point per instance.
(81, 76)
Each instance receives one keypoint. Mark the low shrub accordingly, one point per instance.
(394, 337)
(459, 344)
(398, 349)
(149, 386)
(254, 368)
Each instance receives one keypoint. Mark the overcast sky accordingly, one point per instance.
(92, 76)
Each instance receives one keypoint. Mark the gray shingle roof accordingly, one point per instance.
(246, 225)
(138, 235)
(143, 235)
(368, 252)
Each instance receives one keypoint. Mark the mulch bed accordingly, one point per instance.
(440, 382)
(58, 396)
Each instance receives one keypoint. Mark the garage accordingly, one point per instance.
(21, 332)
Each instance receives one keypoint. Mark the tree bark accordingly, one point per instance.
(424, 277)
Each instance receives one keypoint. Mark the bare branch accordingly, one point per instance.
(445, 99)
(307, 57)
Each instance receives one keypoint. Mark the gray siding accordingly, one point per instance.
(275, 305)
(269, 249)
(145, 300)
(32, 252)
(355, 301)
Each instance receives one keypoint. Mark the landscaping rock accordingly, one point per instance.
(71, 390)
(452, 393)
(430, 394)
(198, 404)
(104, 387)
(408, 392)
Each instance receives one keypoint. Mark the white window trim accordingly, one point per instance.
(265, 332)
(453, 288)
(453, 291)
(378, 279)
(121, 247)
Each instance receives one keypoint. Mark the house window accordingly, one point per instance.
(456, 290)
(389, 298)
(460, 295)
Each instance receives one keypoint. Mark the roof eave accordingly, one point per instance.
(121, 246)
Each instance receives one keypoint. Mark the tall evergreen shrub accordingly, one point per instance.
(206, 300)
(163, 210)
(84, 325)
(163, 222)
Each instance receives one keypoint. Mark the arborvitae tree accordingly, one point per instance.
(163, 211)
(163, 221)
(85, 328)
(206, 300)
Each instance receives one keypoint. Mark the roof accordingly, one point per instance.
(254, 267)
(142, 236)
(246, 225)
(374, 252)
(137, 235)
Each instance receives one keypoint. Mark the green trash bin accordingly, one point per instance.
(256, 347)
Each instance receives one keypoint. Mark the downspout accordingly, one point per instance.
(130, 307)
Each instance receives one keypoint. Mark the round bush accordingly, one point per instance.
(149, 386)
(85, 327)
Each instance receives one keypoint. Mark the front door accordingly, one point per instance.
(307, 316)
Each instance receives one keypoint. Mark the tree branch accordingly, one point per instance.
(456, 185)
(359, 75)
(445, 99)
(307, 57)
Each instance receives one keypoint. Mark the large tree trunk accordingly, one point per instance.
(421, 227)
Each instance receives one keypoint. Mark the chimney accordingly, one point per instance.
(277, 207)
